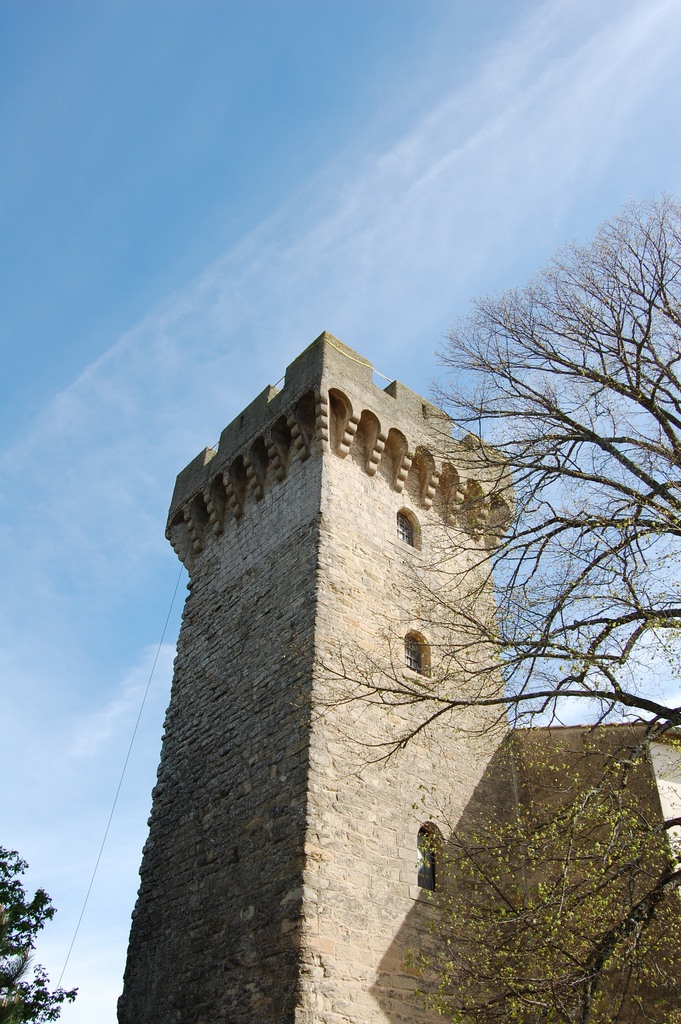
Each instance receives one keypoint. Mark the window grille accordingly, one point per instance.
(405, 529)
(413, 654)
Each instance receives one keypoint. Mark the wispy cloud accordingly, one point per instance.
(368, 240)
(91, 732)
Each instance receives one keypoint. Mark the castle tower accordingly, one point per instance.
(281, 864)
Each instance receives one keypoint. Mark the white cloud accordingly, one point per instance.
(90, 733)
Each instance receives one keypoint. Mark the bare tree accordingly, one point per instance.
(566, 392)
(574, 380)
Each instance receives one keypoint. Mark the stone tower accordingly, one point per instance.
(279, 880)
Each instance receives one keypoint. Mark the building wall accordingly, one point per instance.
(666, 760)
(221, 874)
(281, 860)
(367, 800)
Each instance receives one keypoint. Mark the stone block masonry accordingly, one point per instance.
(281, 863)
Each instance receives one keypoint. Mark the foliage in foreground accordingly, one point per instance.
(567, 910)
(24, 991)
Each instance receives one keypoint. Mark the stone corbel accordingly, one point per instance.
(322, 419)
(233, 503)
(429, 486)
(474, 510)
(348, 434)
(194, 527)
(402, 470)
(215, 514)
(253, 483)
(278, 467)
(481, 517)
(375, 454)
(298, 443)
(180, 540)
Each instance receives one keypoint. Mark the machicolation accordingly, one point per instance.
(278, 428)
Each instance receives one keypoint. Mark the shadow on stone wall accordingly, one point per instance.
(547, 768)
(396, 982)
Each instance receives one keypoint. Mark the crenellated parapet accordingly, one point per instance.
(329, 406)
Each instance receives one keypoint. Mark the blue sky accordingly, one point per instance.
(190, 193)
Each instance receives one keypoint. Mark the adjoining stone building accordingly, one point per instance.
(282, 860)
(284, 875)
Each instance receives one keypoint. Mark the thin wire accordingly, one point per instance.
(362, 362)
(139, 716)
(120, 781)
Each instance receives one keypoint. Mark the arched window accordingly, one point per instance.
(427, 867)
(405, 529)
(417, 654)
(408, 529)
(413, 654)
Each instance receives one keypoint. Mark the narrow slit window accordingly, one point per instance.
(405, 529)
(426, 859)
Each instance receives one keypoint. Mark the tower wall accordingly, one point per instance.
(363, 910)
(281, 860)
